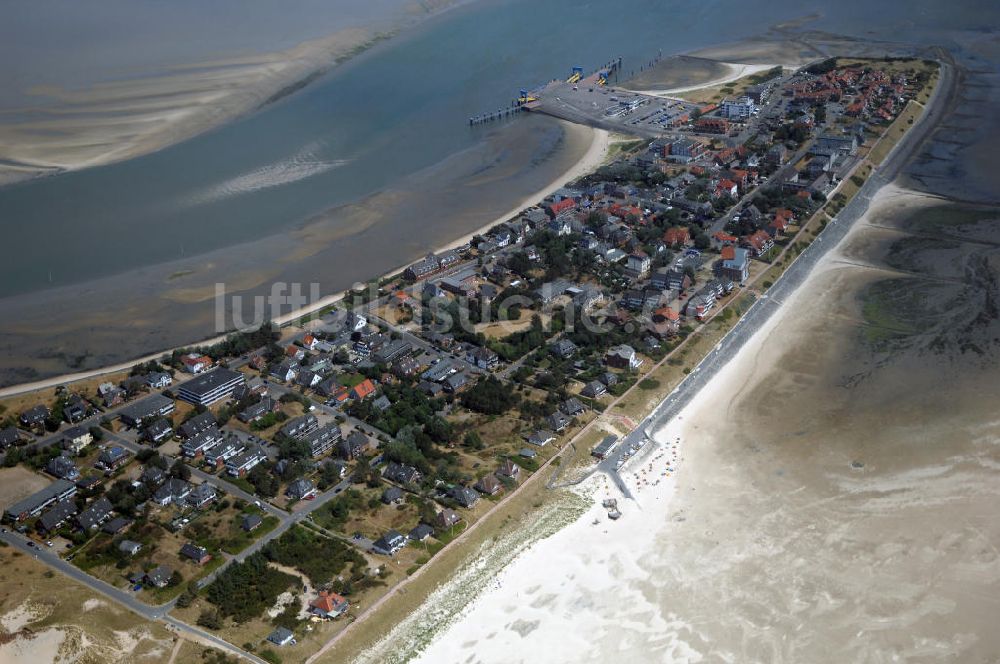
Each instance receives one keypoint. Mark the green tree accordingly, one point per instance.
(180, 470)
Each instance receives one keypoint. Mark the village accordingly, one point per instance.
(269, 487)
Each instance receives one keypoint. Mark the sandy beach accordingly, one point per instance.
(788, 526)
(595, 156)
(735, 72)
(596, 152)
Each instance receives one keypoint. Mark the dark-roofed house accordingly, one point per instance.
(354, 446)
(301, 426)
(446, 518)
(572, 407)
(56, 515)
(157, 431)
(509, 469)
(484, 358)
(116, 525)
(129, 548)
(155, 405)
(401, 473)
(173, 491)
(159, 577)
(421, 532)
(34, 416)
(201, 443)
(251, 522)
(605, 447)
(389, 544)
(300, 489)
(464, 496)
(241, 464)
(62, 468)
(158, 379)
(456, 382)
(323, 439)
(392, 495)
(196, 553)
(255, 411)
(195, 425)
(88, 483)
(207, 388)
(594, 389)
(94, 514)
(75, 408)
(282, 637)
(557, 421)
(488, 485)
(153, 476)
(563, 349)
(34, 504)
(9, 436)
(113, 457)
(541, 438)
(76, 439)
(201, 495)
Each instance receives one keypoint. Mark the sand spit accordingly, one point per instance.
(114, 121)
(595, 156)
(65, 128)
(735, 72)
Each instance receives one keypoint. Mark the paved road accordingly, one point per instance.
(125, 598)
(218, 482)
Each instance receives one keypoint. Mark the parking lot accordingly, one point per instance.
(613, 108)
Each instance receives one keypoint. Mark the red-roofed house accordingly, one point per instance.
(295, 352)
(565, 204)
(759, 243)
(676, 236)
(724, 238)
(328, 605)
(622, 211)
(363, 390)
(728, 253)
(309, 341)
(712, 125)
(780, 224)
(194, 363)
(726, 186)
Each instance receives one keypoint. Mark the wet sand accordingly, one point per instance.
(172, 304)
(833, 502)
(59, 128)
